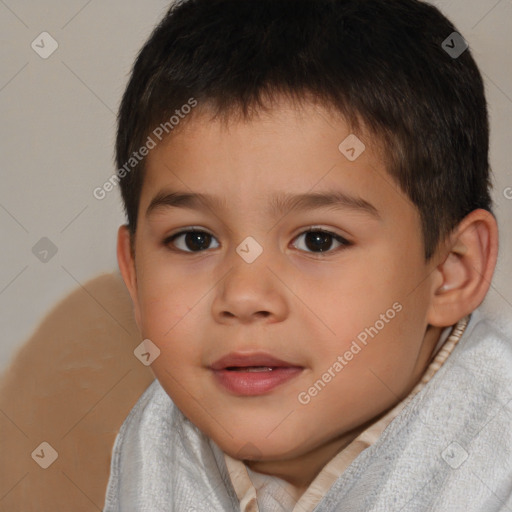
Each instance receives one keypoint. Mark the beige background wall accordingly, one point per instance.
(57, 132)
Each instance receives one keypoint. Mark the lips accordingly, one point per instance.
(253, 374)
(237, 361)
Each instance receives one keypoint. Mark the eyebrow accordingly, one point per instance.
(280, 203)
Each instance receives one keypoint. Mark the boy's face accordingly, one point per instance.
(347, 323)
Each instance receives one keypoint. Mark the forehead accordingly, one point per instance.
(284, 150)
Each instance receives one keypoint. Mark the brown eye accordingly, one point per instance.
(318, 241)
(191, 241)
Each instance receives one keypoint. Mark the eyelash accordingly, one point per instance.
(344, 242)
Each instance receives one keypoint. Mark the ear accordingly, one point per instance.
(462, 280)
(126, 262)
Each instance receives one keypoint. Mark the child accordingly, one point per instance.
(309, 238)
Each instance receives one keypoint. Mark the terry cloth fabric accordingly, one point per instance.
(448, 449)
(263, 493)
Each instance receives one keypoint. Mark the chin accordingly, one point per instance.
(258, 448)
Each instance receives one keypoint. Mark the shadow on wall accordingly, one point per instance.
(63, 400)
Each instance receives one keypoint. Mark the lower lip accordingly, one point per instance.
(255, 383)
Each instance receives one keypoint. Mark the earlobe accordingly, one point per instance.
(463, 279)
(126, 262)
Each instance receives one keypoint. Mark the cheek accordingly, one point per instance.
(370, 318)
(163, 296)
(353, 298)
(168, 306)
(172, 326)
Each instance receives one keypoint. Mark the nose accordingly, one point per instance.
(250, 292)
